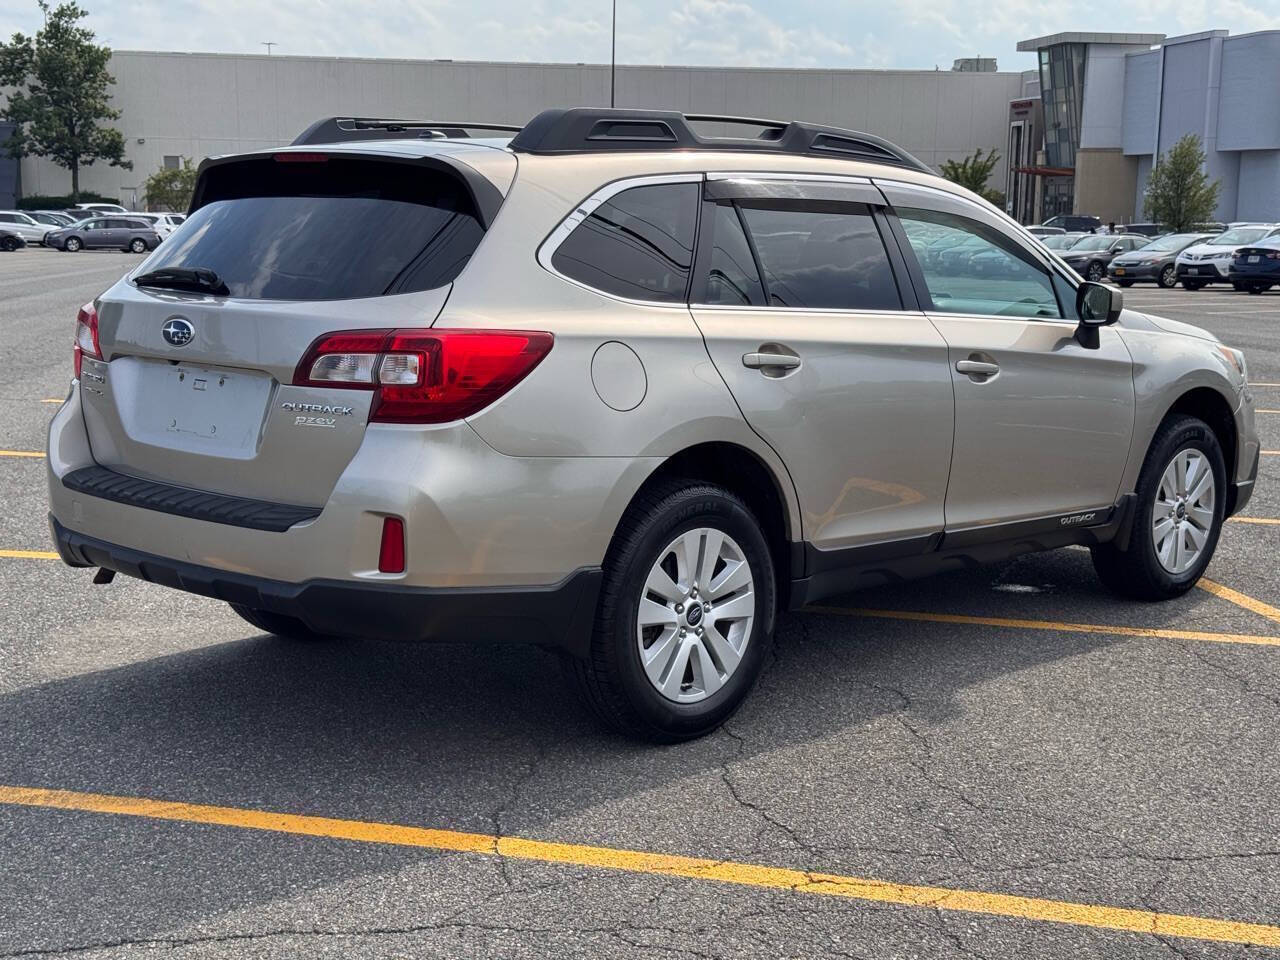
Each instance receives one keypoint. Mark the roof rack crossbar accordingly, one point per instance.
(346, 129)
(600, 129)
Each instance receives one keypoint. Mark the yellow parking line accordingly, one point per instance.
(661, 864)
(52, 400)
(1266, 411)
(1264, 520)
(29, 554)
(1240, 599)
(21, 453)
(1148, 632)
(1271, 453)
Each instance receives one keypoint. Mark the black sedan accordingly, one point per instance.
(10, 241)
(118, 233)
(1153, 263)
(1257, 268)
(1090, 256)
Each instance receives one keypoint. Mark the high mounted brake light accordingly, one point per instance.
(423, 376)
(301, 158)
(86, 337)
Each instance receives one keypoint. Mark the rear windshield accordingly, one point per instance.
(326, 230)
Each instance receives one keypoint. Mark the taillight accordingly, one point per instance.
(424, 376)
(86, 339)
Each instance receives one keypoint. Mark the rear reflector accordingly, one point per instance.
(391, 552)
(424, 376)
(86, 337)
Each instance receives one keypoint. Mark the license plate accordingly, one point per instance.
(1255, 259)
(1119, 271)
(1193, 270)
(216, 410)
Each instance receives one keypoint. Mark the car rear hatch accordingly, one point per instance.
(195, 385)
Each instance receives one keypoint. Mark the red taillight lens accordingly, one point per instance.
(391, 551)
(424, 376)
(86, 339)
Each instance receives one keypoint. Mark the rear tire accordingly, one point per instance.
(1168, 277)
(277, 624)
(138, 245)
(1174, 531)
(654, 671)
(8, 244)
(1192, 285)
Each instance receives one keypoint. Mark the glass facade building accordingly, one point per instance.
(1062, 93)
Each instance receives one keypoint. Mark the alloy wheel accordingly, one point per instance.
(1183, 515)
(1168, 277)
(695, 616)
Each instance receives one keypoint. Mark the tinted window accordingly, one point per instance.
(138, 224)
(638, 244)
(8, 218)
(981, 271)
(341, 229)
(732, 277)
(821, 256)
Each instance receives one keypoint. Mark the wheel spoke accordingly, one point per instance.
(1161, 530)
(663, 585)
(721, 649)
(686, 551)
(705, 674)
(732, 578)
(659, 656)
(652, 614)
(1197, 537)
(1165, 548)
(671, 681)
(1178, 546)
(1201, 517)
(712, 542)
(1203, 485)
(738, 608)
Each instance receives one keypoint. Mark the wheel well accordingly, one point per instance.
(738, 469)
(1209, 405)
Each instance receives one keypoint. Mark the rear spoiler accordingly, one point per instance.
(486, 197)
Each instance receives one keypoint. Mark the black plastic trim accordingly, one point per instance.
(348, 129)
(106, 484)
(602, 129)
(829, 572)
(1241, 491)
(559, 615)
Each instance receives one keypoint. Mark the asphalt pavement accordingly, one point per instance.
(1001, 763)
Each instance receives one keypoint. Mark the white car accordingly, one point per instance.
(165, 223)
(1209, 262)
(29, 229)
(102, 207)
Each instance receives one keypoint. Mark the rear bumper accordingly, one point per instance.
(559, 615)
(1266, 273)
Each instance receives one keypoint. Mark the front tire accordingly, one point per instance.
(8, 244)
(278, 624)
(1096, 272)
(1125, 283)
(72, 245)
(1177, 518)
(1192, 285)
(685, 615)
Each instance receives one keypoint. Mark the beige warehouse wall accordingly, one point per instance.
(1106, 184)
(197, 105)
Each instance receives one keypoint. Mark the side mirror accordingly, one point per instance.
(1097, 305)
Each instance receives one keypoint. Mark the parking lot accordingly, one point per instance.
(1001, 763)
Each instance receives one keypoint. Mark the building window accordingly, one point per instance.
(1062, 92)
(172, 161)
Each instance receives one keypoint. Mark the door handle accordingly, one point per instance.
(977, 368)
(758, 361)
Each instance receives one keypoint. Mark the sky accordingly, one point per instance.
(911, 34)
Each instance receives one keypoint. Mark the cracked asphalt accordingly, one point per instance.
(1089, 768)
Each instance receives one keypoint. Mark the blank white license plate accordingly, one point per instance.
(1193, 270)
(1254, 259)
(222, 408)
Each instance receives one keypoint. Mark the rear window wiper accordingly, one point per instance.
(198, 280)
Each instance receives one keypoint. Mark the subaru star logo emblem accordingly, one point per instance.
(178, 331)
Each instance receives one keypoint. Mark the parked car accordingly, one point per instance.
(1256, 268)
(473, 398)
(163, 223)
(1043, 231)
(121, 233)
(50, 218)
(1155, 262)
(1075, 223)
(1090, 255)
(1146, 229)
(101, 207)
(21, 223)
(10, 241)
(1210, 262)
(76, 214)
(1063, 241)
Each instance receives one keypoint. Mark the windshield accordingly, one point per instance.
(1094, 243)
(329, 230)
(1240, 235)
(1175, 241)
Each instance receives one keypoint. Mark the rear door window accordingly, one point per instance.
(638, 244)
(821, 255)
(332, 229)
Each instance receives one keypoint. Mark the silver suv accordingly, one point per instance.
(624, 389)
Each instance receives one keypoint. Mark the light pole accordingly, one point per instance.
(613, 55)
(269, 44)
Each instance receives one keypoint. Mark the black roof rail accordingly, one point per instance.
(592, 129)
(346, 129)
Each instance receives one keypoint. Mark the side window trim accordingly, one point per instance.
(589, 205)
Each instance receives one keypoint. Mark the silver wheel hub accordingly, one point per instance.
(1183, 515)
(696, 613)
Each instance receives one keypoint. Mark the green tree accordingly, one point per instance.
(973, 172)
(171, 189)
(1179, 191)
(59, 94)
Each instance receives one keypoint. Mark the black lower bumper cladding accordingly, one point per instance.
(557, 615)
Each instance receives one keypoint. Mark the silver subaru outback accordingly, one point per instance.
(614, 385)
